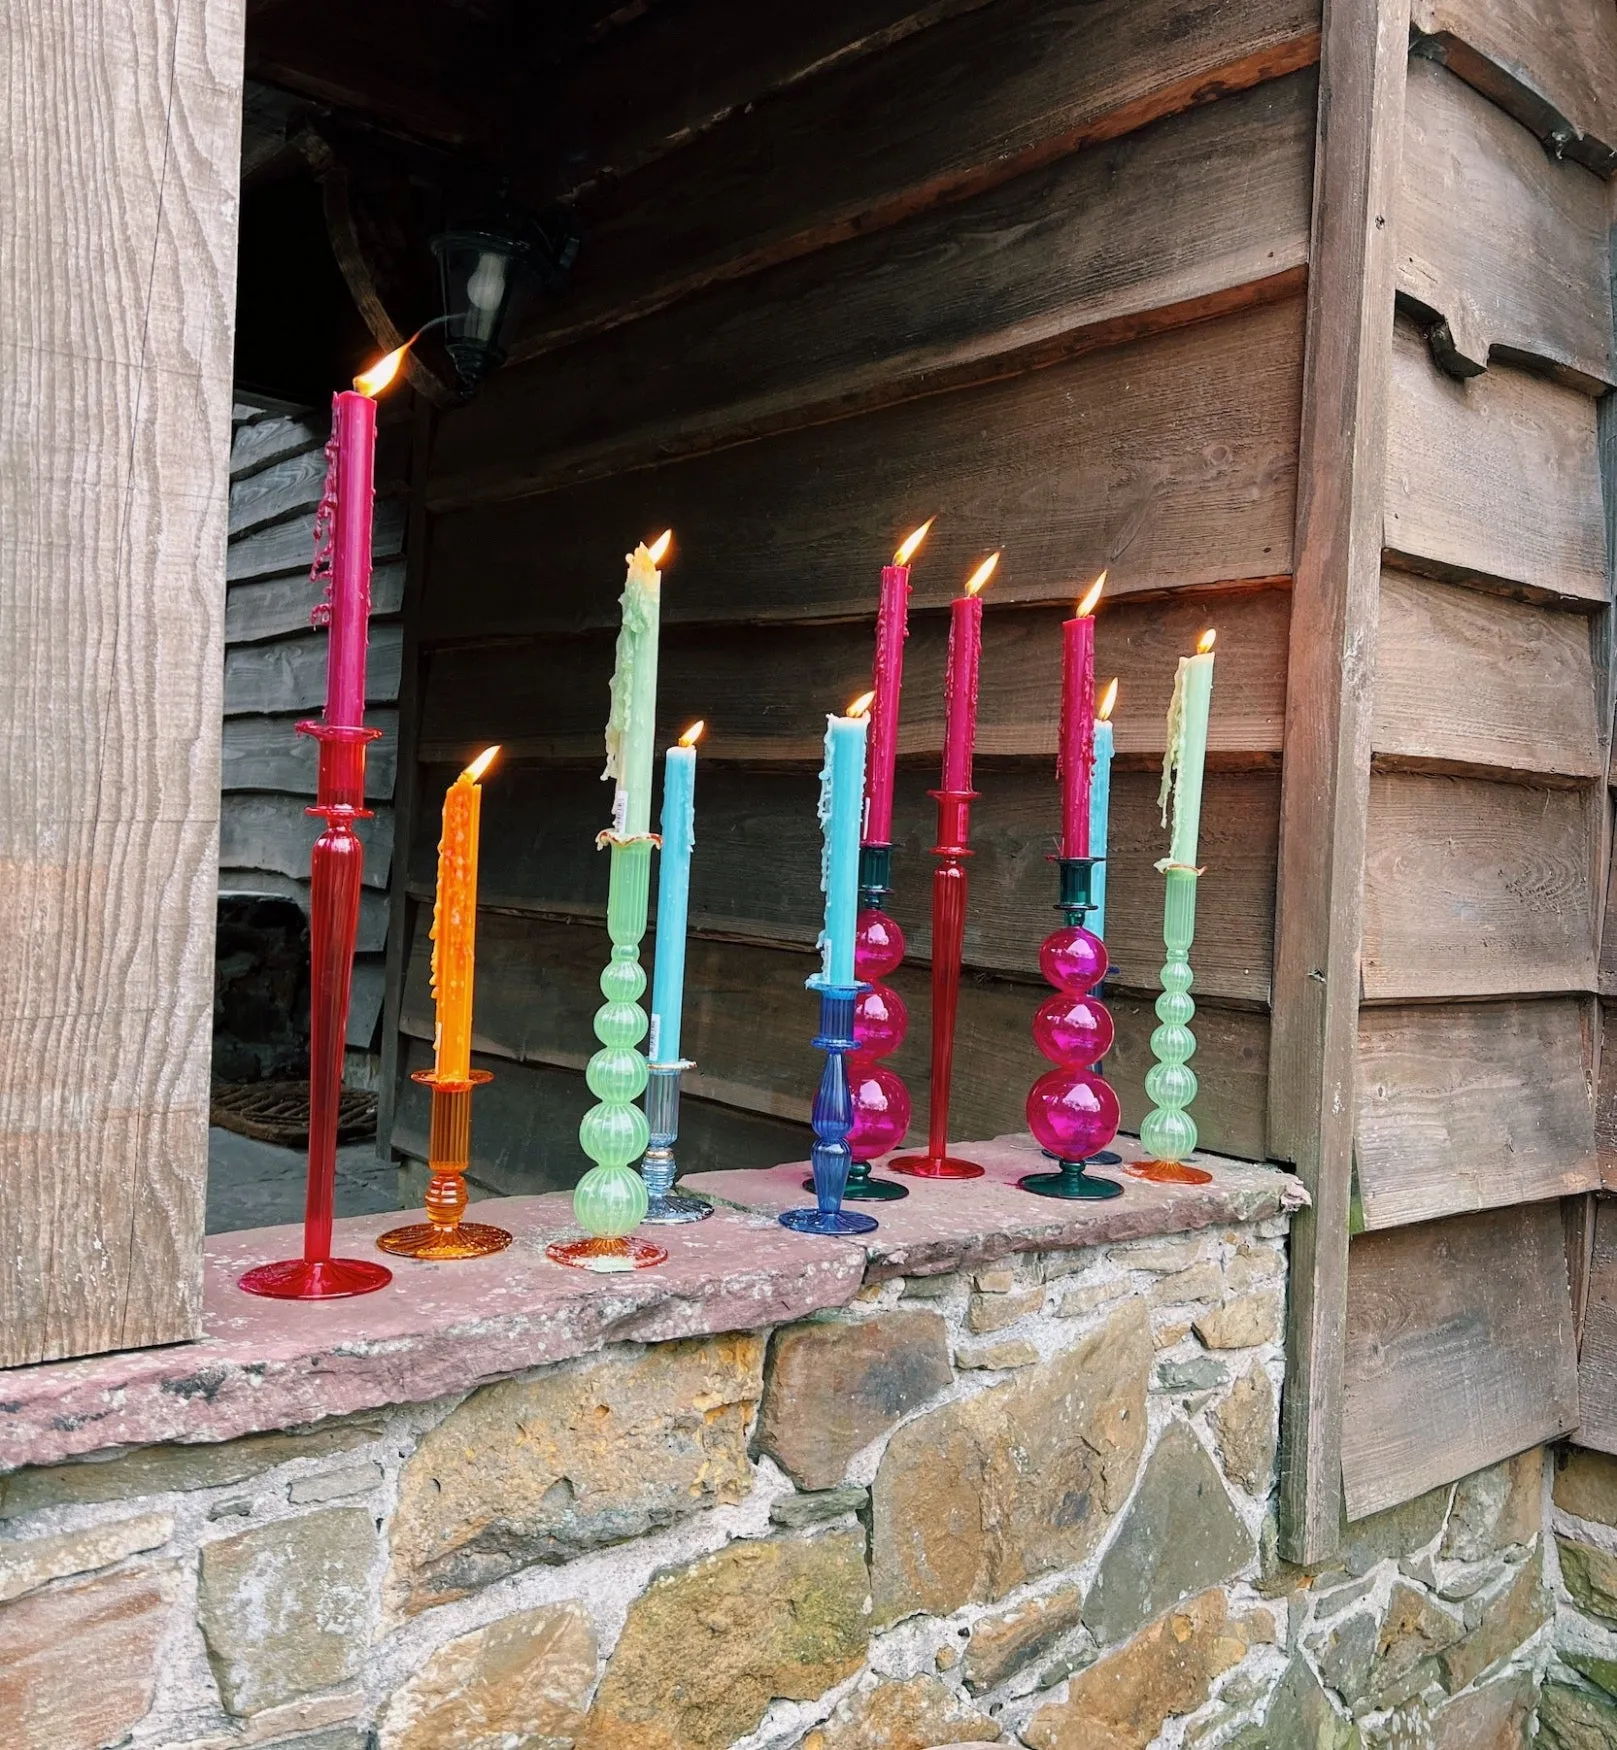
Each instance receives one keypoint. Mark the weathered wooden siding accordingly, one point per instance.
(275, 676)
(1069, 321)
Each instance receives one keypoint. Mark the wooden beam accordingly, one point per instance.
(1325, 788)
(117, 286)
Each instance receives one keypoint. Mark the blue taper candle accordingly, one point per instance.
(842, 807)
(673, 897)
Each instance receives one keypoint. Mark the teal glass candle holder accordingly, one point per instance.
(610, 1201)
(1169, 1131)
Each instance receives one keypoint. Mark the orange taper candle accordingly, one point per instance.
(454, 922)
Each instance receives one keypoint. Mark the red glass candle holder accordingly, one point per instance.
(444, 1235)
(1071, 1109)
(335, 870)
(949, 888)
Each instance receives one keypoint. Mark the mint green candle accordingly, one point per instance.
(1185, 762)
(631, 726)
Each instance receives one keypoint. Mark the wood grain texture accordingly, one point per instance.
(1498, 241)
(116, 295)
(749, 1022)
(1197, 213)
(1550, 63)
(1597, 1363)
(947, 112)
(1470, 1106)
(291, 486)
(1459, 1351)
(525, 1133)
(1324, 798)
(1474, 888)
(1101, 461)
(760, 705)
(267, 753)
(290, 673)
(1496, 477)
(755, 873)
(271, 607)
(264, 442)
(264, 831)
(289, 546)
(1467, 679)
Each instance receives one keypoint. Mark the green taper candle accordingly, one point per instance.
(631, 726)
(1186, 759)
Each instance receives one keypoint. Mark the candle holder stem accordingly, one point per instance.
(444, 1235)
(949, 890)
(1169, 1131)
(336, 868)
(610, 1201)
(666, 1207)
(832, 1118)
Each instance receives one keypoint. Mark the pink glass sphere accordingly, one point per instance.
(1073, 1113)
(878, 945)
(1073, 960)
(1073, 1030)
(880, 1021)
(881, 1109)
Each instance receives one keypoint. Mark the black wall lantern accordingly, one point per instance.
(489, 271)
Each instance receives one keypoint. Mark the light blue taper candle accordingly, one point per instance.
(1100, 809)
(673, 897)
(842, 806)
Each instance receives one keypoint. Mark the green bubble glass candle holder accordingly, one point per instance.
(1169, 1131)
(610, 1201)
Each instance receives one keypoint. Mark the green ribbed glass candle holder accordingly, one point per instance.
(610, 1200)
(1169, 1131)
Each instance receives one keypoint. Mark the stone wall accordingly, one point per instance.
(1579, 1705)
(1023, 1505)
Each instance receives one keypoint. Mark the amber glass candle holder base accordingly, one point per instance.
(443, 1236)
(1168, 1173)
(316, 1279)
(607, 1257)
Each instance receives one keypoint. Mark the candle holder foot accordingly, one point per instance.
(1168, 1173)
(666, 1207)
(435, 1245)
(443, 1236)
(833, 1222)
(1071, 1184)
(316, 1279)
(607, 1256)
(935, 1167)
(864, 1187)
(832, 1118)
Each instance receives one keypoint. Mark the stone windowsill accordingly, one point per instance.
(264, 1365)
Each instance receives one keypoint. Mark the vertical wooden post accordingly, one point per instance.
(1326, 782)
(117, 290)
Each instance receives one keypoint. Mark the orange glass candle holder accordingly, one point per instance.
(444, 1235)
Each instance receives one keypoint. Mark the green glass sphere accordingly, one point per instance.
(1168, 1135)
(610, 1202)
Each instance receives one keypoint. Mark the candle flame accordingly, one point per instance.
(1091, 596)
(694, 733)
(377, 378)
(1107, 700)
(660, 546)
(482, 763)
(1204, 644)
(907, 552)
(860, 705)
(982, 574)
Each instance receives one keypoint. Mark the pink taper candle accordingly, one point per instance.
(960, 680)
(887, 682)
(1076, 759)
(354, 424)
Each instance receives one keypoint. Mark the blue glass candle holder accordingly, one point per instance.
(832, 1119)
(666, 1207)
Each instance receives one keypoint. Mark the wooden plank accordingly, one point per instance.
(1474, 888)
(290, 673)
(1498, 241)
(1327, 734)
(1550, 63)
(267, 753)
(764, 697)
(119, 174)
(289, 546)
(1459, 1351)
(291, 486)
(271, 440)
(269, 884)
(945, 113)
(525, 1137)
(1102, 461)
(263, 831)
(273, 606)
(365, 1001)
(755, 875)
(1497, 477)
(748, 1025)
(1467, 679)
(1597, 1364)
(1193, 215)
(1470, 1106)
